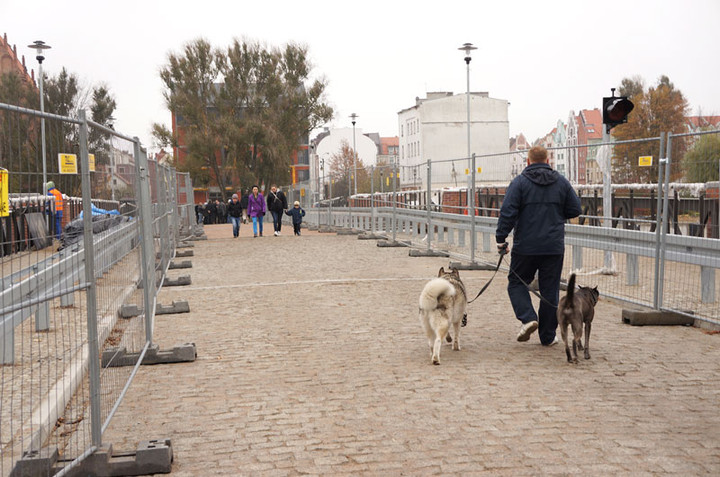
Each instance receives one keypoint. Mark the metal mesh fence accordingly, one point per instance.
(67, 303)
(653, 242)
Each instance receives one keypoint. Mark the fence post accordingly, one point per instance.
(90, 292)
(471, 212)
(394, 204)
(429, 206)
(372, 202)
(658, 223)
(146, 232)
(663, 233)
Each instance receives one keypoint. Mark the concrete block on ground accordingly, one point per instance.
(118, 357)
(637, 317)
(130, 311)
(150, 457)
(184, 253)
(427, 253)
(36, 463)
(176, 307)
(392, 243)
(176, 265)
(177, 282)
(369, 236)
(471, 266)
(347, 232)
(185, 244)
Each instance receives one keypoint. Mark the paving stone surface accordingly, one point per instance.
(311, 361)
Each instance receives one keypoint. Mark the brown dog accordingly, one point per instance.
(577, 308)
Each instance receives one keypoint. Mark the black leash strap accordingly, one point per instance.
(488, 283)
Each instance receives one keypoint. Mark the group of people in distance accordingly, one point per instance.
(253, 205)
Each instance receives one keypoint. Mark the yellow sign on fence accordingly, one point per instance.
(91, 160)
(67, 163)
(4, 196)
(645, 161)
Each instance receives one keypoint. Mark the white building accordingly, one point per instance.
(436, 128)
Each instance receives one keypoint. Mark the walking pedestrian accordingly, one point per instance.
(221, 209)
(58, 206)
(277, 204)
(297, 213)
(537, 203)
(244, 205)
(256, 210)
(235, 211)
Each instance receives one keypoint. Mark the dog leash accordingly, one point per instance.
(482, 290)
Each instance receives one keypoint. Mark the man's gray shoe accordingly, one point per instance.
(526, 330)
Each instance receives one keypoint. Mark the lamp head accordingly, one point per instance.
(467, 48)
(39, 46)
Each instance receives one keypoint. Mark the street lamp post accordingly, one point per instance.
(39, 46)
(468, 48)
(353, 117)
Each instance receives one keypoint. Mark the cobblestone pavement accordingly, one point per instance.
(311, 360)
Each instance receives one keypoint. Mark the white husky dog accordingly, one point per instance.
(442, 302)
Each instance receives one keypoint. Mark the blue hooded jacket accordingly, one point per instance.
(537, 204)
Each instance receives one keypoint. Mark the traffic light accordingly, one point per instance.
(615, 110)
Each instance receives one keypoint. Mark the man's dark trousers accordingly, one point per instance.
(549, 268)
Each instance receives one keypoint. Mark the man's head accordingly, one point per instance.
(296, 204)
(234, 197)
(273, 188)
(537, 155)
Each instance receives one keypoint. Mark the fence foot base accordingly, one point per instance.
(176, 307)
(118, 357)
(371, 237)
(427, 253)
(327, 229)
(471, 266)
(151, 457)
(655, 317)
(176, 265)
(348, 232)
(184, 253)
(185, 245)
(178, 282)
(131, 311)
(36, 462)
(392, 243)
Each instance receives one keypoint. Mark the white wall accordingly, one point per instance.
(443, 135)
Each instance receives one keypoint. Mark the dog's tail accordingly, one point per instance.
(434, 289)
(569, 302)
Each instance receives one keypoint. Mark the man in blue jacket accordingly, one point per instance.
(536, 205)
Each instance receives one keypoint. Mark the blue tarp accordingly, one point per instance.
(99, 211)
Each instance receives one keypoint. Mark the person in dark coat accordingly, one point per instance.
(244, 205)
(537, 203)
(221, 210)
(235, 212)
(276, 204)
(297, 213)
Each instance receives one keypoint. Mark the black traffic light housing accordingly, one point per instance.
(615, 110)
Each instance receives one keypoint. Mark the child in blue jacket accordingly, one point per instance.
(297, 213)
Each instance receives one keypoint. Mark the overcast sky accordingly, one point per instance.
(545, 58)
